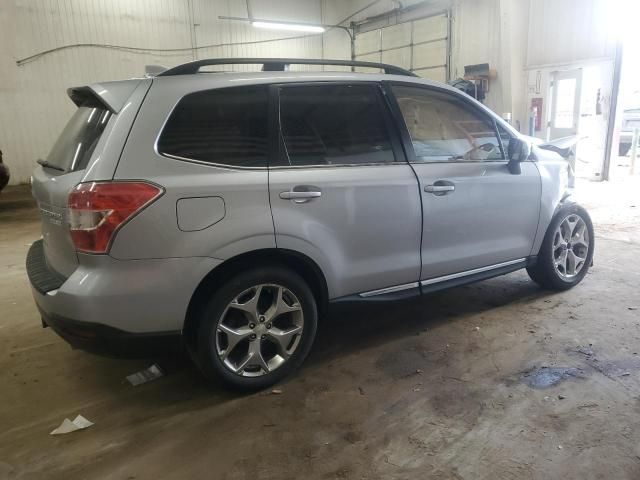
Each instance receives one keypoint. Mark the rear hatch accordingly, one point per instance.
(72, 156)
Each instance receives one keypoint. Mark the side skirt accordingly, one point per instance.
(402, 292)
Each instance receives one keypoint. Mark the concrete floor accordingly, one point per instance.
(447, 387)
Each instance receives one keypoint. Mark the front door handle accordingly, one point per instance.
(298, 195)
(439, 189)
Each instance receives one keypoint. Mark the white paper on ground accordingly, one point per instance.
(67, 426)
(146, 375)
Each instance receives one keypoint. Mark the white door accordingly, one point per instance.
(565, 104)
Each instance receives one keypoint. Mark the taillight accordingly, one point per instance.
(97, 210)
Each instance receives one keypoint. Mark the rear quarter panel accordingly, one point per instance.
(107, 153)
(154, 233)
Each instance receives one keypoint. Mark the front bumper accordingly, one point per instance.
(125, 308)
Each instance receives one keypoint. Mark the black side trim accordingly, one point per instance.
(456, 282)
(42, 277)
(112, 342)
(424, 289)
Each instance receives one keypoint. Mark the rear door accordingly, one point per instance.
(476, 213)
(341, 190)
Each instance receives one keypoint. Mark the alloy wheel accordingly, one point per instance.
(570, 246)
(259, 330)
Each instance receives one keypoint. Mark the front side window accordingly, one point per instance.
(225, 126)
(444, 129)
(333, 125)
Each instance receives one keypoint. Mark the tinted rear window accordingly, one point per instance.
(225, 126)
(78, 140)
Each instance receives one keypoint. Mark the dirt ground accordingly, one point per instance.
(497, 380)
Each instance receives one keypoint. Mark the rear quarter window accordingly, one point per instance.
(225, 126)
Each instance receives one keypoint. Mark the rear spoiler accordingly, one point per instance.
(110, 95)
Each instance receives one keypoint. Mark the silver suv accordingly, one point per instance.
(224, 211)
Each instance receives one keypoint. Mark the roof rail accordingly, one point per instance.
(278, 65)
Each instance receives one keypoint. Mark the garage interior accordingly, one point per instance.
(499, 379)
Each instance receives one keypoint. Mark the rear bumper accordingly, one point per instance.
(132, 308)
(111, 342)
(43, 278)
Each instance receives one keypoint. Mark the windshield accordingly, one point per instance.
(78, 140)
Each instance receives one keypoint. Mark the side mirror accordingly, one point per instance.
(519, 151)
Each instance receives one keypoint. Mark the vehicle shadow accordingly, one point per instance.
(347, 329)
(183, 394)
(350, 328)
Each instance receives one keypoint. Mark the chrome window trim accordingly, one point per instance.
(373, 164)
(396, 288)
(453, 276)
(208, 164)
(452, 162)
(277, 167)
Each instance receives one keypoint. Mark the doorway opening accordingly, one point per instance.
(579, 109)
(625, 152)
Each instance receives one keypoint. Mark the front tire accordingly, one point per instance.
(566, 252)
(257, 328)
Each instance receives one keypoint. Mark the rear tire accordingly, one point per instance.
(566, 252)
(257, 328)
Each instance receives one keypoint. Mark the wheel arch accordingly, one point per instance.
(297, 262)
(549, 208)
(566, 200)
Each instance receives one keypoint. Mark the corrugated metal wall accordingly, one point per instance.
(33, 103)
(33, 107)
(569, 31)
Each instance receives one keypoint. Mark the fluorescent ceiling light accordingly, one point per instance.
(289, 26)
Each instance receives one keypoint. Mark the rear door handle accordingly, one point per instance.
(442, 189)
(300, 196)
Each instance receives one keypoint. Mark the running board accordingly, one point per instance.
(408, 290)
(471, 276)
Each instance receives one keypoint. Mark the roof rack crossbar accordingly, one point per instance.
(279, 64)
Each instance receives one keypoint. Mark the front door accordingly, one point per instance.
(565, 104)
(341, 191)
(477, 215)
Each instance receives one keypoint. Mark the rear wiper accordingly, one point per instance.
(46, 164)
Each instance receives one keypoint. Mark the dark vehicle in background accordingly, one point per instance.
(4, 173)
